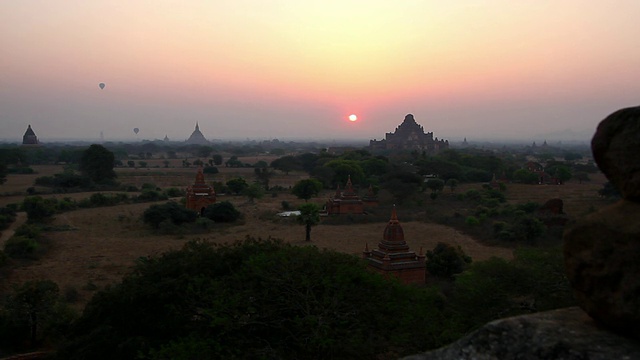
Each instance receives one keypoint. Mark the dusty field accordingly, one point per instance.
(105, 242)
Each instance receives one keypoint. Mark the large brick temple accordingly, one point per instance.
(345, 202)
(409, 136)
(393, 257)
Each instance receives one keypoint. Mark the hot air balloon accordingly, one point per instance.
(136, 130)
(101, 85)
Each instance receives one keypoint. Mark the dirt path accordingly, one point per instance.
(21, 218)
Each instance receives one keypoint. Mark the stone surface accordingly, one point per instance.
(615, 146)
(602, 261)
(559, 334)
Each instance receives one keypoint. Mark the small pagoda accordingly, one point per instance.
(29, 138)
(200, 195)
(393, 257)
(345, 202)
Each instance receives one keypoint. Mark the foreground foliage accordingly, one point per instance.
(256, 299)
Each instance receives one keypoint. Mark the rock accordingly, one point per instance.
(559, 334)
(602, 262)
(552, 206)
(615, 147)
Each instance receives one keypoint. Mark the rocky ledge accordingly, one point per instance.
(553, 335)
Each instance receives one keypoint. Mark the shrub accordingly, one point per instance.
(30, 231)
(446, 260)
(39, 209)
(472, 221)
(150, 195)
(222, 212)
(210, 170)
(172, 212)
(20, 247)
(174, 192)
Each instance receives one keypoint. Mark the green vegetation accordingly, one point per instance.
(255, 299)
(306, 189)
(446, 260)
(170, 213)
(222, 212)
(309, 216)
(97, 164)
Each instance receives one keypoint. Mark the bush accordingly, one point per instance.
(445, 260)
(174, 192)
(222, 212)
(210, 170)
(20, 247)
(171, 212)
(150, 195)
(472, 221)
(39, 209)
(30, 231)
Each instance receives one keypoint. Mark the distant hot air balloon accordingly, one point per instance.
(101, 85)
(136, 130)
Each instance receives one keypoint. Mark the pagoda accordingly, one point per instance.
(345, 202)
(29, 138)
(393, 257)
(197, 138)
(200, 195)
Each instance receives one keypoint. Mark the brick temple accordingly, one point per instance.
(345, 202)
(393, 257)
(200, 195)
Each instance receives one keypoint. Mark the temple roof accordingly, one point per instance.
(393, 231)
(29, 131)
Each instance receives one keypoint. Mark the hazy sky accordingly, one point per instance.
(296, 69)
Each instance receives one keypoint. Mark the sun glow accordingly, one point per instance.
(353, 117)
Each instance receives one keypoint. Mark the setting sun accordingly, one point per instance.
(353, 117)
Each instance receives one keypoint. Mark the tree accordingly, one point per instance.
(263, 175)
(446, 260)
(223, 211)
(33, 304)
(254, 191)
(436, 186)
(286, 164)
(307, 188)
(97, 163)
(237, 185)
(562, 173)
(3, 172)
(309, 216)
(217, 159)
(452, 184)
(233, 162)
(131, 163)
(525, 176)
(38, 209)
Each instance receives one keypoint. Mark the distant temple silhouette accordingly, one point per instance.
(393, 257)
(197, 138)
(409, 136)
(30, 138)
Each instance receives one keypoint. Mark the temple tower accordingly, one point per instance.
(393, 257)
(200, 195)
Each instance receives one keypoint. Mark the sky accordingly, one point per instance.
(290, 69)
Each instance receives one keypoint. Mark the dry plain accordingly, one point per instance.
(101, 244)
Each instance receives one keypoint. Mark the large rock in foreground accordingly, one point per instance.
(602, 262)
(559, 334)
(615, 147)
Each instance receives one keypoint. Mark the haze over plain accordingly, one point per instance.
(297, 70)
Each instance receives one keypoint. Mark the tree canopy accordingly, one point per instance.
(255, 299)
(97, 163)
(307, 188)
